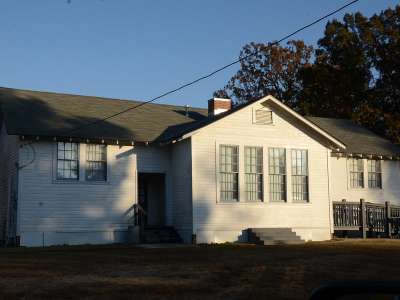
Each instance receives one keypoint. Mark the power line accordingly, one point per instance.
(181, 87)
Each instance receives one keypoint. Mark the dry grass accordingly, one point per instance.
(203, 272)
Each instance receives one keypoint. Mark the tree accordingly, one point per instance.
(273, 69)
(339, 81)
(354, 74)
(383, 43)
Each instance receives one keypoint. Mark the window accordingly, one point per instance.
(356, 167)
(300, 175)
(277, 174)
(96, 162)
(67, 161)
(229, 173)
(374, 174)
(254, 173)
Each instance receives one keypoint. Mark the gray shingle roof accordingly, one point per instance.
(33, 113)
(356, 138)
(53, 114)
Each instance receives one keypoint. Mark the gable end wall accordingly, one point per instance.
(214, 221)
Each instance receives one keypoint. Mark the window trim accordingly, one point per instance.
(261, 149)
(218, 183)
(285, 176)
(307, 175)
(87, 161)
(57, 178)
(380, 186)
(349, 173)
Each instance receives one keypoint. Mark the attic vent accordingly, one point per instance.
(263, 117)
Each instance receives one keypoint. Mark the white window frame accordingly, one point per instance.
(294, 174)
(351, 171)
(90, 160)
(82, 167)
(258, 174)
(271, 176)
(58, 160)
(377, 173)
(221, 174)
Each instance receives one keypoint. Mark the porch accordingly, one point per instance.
(149, 214)
(366, 219)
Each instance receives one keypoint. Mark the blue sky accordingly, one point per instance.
(140, 49)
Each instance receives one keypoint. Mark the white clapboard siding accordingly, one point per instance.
(8, 176)
(55, 212)
(218, 222)
(182, 188)
(390, 183)
(152, 159)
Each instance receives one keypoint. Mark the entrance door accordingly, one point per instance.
(151, 193)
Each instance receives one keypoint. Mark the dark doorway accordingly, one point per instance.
(151, 193)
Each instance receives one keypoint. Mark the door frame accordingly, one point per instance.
(145, 178)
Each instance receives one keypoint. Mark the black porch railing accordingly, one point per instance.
(140, 215)
(370, 219)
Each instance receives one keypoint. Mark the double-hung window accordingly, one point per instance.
(254, 173)
(277, 174)
(356, 168)
(300, 175)
(96, 162)
(67, 161)
(374, 174)
(229, 173)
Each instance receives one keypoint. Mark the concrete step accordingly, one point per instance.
(273, 236)
(279, 237)
(278, 233)
(280, 242)
(287, 232)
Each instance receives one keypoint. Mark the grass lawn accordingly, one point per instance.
(202, 272)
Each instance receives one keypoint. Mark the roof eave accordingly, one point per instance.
(305, 121)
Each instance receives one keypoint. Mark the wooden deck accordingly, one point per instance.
(366, 218)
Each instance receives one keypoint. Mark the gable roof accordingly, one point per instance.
(357, 138)
(35, 113)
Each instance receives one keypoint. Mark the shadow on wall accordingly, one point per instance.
(72, 210)
(208, 212)
(390, 187)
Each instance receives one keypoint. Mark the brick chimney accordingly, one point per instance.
(218, 105)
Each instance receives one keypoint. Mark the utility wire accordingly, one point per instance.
(181, 87)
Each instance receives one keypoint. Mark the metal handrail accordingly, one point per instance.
(139, 207)
(139, 214)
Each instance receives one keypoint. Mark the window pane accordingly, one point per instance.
(277, 174)
(96, 162)
(356, 168)
(374, 174)
(67, 161)
(229, 176)
(300, 175)
(253, 176)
